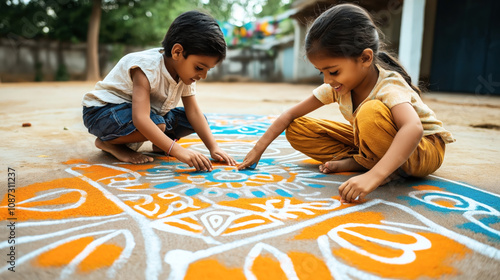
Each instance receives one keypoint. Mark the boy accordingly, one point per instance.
(136, 101)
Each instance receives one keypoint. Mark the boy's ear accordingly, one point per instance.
(366, 57)
(177, 51)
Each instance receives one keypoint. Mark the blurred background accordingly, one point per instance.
(447, 45)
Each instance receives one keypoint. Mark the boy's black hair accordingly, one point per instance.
(198, 33)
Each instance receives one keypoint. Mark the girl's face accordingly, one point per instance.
(342, 74)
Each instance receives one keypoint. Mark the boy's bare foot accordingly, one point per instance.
(122, 152)
(343, 165)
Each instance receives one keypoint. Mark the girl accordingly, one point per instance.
(391, 132)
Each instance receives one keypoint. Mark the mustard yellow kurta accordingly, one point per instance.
(366, 141)
(371, 127)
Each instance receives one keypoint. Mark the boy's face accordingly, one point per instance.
(194, 67)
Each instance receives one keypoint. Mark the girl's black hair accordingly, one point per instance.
(198, 33)
(346, 30)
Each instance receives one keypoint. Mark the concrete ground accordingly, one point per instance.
(57, 134)
(153, 222)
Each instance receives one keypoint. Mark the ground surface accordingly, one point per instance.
(51, 107)
(80, 214)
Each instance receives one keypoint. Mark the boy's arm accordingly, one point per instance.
(277, 127)
(201, 127)
(141, 109)
(410, 132)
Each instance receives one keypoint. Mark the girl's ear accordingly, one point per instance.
(177, 51)
(366, 57)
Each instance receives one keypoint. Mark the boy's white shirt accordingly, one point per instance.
(117, 86)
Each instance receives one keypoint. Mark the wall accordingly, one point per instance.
(266, 63)
(428, 40)
(18, 59)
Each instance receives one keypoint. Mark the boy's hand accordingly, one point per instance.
(193, 159)
(251, 158)
(219, 155)
(357, 187)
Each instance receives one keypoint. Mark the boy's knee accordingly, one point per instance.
(162, 126)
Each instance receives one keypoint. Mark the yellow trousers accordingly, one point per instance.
(366, 142)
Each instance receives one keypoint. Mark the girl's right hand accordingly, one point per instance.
(193, 159)
(251, 158)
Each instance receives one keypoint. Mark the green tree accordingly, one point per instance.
(274, 7)
(222, 9)
(130, 22)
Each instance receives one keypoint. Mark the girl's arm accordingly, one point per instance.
(141, 109)
(277, 127)
(410, 132)
(200, 125)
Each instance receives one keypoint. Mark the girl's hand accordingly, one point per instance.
(192, 158)
(219, 155)
(357, 187)
(251, 158)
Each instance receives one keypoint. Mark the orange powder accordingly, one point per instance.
(103, 256)
(322, 228)
(442, 202)
(265, 267)
(427, 188)
(292, 177)
(184, 226)
(308, 266)
(311, 161)
(159, 206)
(445, 203)
(63, 254)
(98, 172)
(386, 235)
(260, 221)
(209, 269)
(95, 203)
(433, 263)
(247, 203)
(373, 247)
(139, 168)
(61, 199)
(76, 161)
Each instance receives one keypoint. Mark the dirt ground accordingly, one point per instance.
(57, 134)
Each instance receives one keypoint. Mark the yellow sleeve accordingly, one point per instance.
(325, 94)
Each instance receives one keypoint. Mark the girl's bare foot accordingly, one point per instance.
(343, 165)
(393, 177)
(122, 152)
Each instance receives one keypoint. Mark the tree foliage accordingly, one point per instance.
(130, 22)
(274, 7)
(122, 22)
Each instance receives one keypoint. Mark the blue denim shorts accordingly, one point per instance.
(115, 120)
